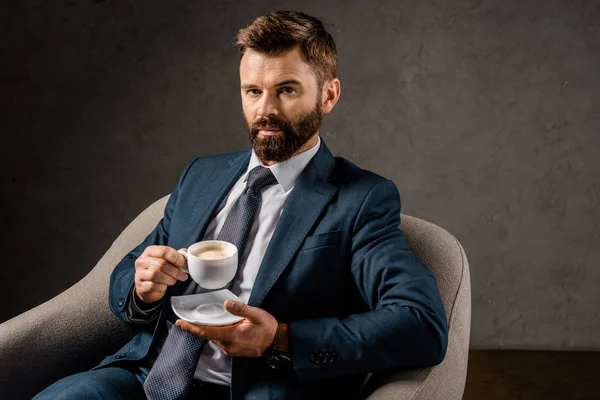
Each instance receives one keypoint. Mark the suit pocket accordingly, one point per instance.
(321, 240)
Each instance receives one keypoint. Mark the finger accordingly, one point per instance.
(169, 254)
(165, 267)
(203, 331)
(156, 276)
(220, 343)
(225, 347)
(240, 309)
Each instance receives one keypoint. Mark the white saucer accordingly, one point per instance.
(205, 308)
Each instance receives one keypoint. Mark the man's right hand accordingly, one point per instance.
(157, 269)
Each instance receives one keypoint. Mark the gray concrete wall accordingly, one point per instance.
(485, 114)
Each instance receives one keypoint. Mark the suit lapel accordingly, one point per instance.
(212, 194)
(208, 198)
(311, 194)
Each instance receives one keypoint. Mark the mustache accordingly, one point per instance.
(270, 122)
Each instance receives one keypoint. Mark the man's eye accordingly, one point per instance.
(287, 89)
(253, 92)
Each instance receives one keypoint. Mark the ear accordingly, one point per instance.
(330, 94)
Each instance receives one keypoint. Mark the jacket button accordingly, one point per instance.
(121, 302)
(314, 359)
(118, 356)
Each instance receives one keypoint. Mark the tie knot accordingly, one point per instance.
(259, 177)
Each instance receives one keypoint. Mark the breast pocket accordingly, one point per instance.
(321, 240)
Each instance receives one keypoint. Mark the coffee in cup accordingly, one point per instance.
(212, 253)
(212, 264)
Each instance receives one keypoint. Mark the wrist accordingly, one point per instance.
(141, 303)
(278, 354)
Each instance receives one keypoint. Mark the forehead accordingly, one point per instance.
(260, 69)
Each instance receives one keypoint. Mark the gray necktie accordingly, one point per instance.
(172, 373)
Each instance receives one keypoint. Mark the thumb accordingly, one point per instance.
(243, 310)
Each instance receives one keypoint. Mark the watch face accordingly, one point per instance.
(279, 361)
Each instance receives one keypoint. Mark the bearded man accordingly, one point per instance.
(328, 289)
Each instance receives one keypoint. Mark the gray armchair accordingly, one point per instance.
(75, 330)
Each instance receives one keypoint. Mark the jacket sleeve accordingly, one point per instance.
(406, 326)
(122, 277)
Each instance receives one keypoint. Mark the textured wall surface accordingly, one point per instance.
(485, 114)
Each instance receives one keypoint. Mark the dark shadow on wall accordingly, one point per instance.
(103, 104)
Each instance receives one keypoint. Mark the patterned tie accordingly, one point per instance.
(172, 373)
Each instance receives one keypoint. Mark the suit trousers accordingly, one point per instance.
(104, 383)
(119, 383)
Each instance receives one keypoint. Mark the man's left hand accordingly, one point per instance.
(248, 338)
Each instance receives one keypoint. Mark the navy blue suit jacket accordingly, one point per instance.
(337, 269)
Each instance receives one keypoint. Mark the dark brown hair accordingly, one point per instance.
(278, 32)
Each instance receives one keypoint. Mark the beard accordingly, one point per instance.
(294, 134)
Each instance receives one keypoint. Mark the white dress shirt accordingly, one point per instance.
(215, 366)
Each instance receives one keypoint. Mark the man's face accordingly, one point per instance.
(281, 101)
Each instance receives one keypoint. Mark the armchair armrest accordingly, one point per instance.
(443, 381)
(73, 331)
(69, 333)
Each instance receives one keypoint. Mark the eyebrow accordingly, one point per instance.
(283, 83)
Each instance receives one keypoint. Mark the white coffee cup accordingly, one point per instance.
(211, 263)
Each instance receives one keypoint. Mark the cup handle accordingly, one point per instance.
(185, 254)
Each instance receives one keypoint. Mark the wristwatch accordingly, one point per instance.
(278, 354)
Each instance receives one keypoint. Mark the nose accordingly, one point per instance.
(267, 106)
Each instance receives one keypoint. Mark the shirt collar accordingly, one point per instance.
(288, 171)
